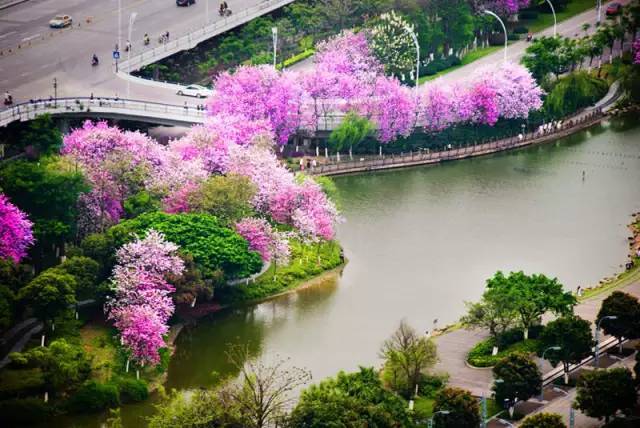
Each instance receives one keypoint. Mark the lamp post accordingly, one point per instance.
(415, 42)
(488, 12)
(55, 92)
(132, 19)
(120, 24)
(274, 35)
(599, 10)
(555, 22)
(597, 353)
(550, 348)
(442, 412)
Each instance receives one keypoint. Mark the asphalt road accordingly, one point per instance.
(65, 54)
(28, 72)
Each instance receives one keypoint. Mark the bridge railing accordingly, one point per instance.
(61, 106)
(151, 54)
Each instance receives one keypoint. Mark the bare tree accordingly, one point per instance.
(263, 392)
(407, 354)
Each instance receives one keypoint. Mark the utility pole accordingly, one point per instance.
(55, 92)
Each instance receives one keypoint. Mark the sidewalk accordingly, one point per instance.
(453, 347)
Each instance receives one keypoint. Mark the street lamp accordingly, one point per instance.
(488, 12)
(598, 9)
(55, 92)
(274, 35)
(550, 348)
(597, 353)
(442, 412)
(555, 22)
(132, 19)
(415, 42)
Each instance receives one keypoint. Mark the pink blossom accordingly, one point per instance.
(262, 238)
(15, 231)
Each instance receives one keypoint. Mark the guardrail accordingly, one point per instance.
(106, 106)
(193, 38)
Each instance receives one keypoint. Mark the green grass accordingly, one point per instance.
(480, 354)
(467, 59)
(423, 407)
(97, 343)
(545, 20)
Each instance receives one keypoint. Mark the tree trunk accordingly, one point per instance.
(526, 333)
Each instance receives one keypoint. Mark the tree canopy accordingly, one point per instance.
(464, 410)
(520, 378)
(601, 393)
(626, 309)
(50, 293)
(573, 335)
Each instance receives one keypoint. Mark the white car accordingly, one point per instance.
(195, 91)
(61, 21)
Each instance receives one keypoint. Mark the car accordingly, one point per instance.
(614, 9)
(195, 91)
(61, 21)
(185, 2)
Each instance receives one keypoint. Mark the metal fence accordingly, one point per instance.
(192, 38)
(111, 106)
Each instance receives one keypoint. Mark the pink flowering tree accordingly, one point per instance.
(141, 305)
(16, 234)
(264, 239)
(503, 7)
(636, 52)
(260, 93)
(436, 108)
(348, 53)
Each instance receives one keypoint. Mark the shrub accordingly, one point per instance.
(439, 64)
(430, 384)
(94, 397)
(480, 354)
(513, 37)
(543, 420)
(464, 409)
(22, 411)
(571, 93)
(132, 390)
(521, 30)
(528, 14)
(20, 382)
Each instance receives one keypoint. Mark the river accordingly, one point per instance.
(422, 241)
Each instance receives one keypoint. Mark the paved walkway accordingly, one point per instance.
(453, 347)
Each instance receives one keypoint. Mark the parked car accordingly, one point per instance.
(61, 21)
(614, 9)
(195, 91)
(185, 2)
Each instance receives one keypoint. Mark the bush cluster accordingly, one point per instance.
(439, 64)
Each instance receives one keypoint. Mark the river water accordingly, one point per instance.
(421, 241)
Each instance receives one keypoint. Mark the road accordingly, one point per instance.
(28, 72)
(65, 54)
(571, 27)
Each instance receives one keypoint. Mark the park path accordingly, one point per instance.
(454, 346)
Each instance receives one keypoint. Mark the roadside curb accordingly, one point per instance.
(13, 3)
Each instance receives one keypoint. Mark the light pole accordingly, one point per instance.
(415, 42)
(55, 92)
(488, 12)
(598, 9)
(132, 19)
(120, 24)
(550, 348)
(274, 35)
(442, 412)
(555, 22)
(597, 353)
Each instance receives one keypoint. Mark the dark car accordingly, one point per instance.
(614, 9)
(185, 2)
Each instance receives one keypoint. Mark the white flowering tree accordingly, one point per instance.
(391, 42)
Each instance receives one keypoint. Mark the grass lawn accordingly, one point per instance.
(545, 20)
(423, 407)
(98, 344)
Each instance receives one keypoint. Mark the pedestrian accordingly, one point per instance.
(583, 174)
(301, 164)
(314, 164)
(308, 163)
(167, 35)
(186, 107)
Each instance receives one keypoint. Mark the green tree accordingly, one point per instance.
(352, 130)
(227, 197)
(48, 191)
(64, 365)
(543, 420)
(350, 400)
(573, 335)
(407, 354)
(530, 296)
(42, 134)
(493, 312)
(601, 393)
(542, 57)
(575, 91)
(520, 378)
(85, 272)
(7, 299)
(50, 293)
(200, 409)
(626, 309)
(464, 410)
(139, 203)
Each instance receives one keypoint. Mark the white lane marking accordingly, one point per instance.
(26, 39)
(7, 34)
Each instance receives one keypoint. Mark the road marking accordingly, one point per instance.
(26, 39)
(7, 34)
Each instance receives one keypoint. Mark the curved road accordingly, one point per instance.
(28, 72)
